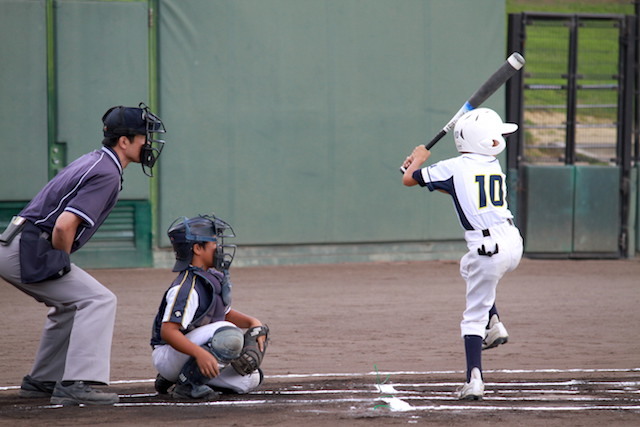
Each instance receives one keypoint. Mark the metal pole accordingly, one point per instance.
(570, 148)
(636, 73)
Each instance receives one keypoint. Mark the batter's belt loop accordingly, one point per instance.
(487, 233)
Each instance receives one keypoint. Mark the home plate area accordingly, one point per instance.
(410, 397)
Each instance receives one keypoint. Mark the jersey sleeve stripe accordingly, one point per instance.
(82, 215)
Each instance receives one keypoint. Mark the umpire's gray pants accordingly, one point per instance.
(76, 341)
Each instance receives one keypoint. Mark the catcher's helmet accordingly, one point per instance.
(185, 232)
(476, 131)
(127, 121)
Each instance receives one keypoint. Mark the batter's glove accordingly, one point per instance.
(251, 357)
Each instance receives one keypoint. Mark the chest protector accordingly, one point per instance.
(217, 287)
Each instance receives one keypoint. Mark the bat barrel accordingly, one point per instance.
(514, 62)
(497, 79)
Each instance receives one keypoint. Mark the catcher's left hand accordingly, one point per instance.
(252, 353)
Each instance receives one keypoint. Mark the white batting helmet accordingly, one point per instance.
(480, 131)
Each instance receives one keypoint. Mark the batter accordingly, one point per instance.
(477, 186)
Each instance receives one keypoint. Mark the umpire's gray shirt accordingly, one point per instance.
(87, 187)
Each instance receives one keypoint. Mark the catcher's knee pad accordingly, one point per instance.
(226, 344)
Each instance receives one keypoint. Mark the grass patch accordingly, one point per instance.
(547, 47)
(546, 76)
(622, 7)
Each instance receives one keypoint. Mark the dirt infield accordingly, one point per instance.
(573, 355)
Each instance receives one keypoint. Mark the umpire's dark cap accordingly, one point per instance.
(124, 121)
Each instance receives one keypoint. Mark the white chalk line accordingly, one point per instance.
(524, 408)
(486, 371)
(396, 373)
(502, 388)
(568, 383)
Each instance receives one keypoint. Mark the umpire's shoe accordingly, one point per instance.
(33, 388)
(79, 392)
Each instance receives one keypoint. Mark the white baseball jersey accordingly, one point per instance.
(476, 184)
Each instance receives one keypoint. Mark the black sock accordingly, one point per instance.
(473, 351)
(493, 311)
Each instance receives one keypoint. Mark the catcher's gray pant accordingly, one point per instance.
(168, 362)
(76, 341)
(482, 272)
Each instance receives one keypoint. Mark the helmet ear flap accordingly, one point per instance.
(495, 145)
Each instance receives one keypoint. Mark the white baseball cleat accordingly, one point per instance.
(496, 334)
(474, 389)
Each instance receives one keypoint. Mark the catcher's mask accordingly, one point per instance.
(128, 121)
(185, 232)
(226, 343)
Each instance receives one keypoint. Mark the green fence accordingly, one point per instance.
(572, 211)
(124, 240)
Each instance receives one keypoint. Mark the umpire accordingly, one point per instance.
(75, 348)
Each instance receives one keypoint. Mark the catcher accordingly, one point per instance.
(199, 348)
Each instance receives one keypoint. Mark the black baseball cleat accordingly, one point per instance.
(162, 385)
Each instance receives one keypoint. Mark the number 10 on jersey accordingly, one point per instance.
(491, 186)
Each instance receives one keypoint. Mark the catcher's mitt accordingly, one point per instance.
(251, 356)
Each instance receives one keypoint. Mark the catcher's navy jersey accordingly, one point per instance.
(476, 184)
(87, 187)
(194, 299)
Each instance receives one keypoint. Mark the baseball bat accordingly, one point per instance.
(514, 62)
